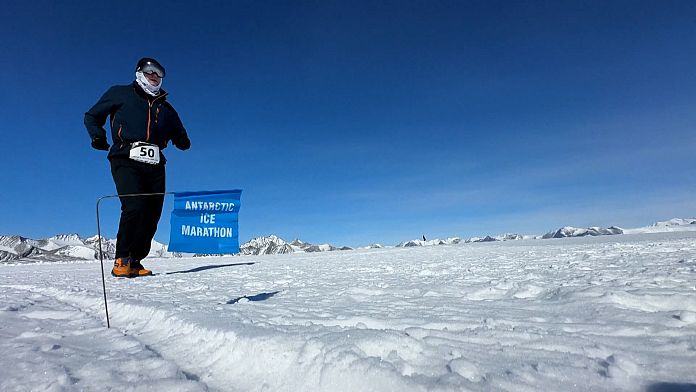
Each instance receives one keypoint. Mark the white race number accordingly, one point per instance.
(145, 152)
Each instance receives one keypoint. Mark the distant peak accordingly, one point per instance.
(66, 237)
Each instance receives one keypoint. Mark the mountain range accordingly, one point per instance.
(72, 247)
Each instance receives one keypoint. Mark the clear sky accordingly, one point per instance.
(357, 122)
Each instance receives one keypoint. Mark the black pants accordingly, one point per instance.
(139, 214)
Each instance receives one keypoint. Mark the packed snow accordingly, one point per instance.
(610, 313)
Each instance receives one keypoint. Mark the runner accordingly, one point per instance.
(142, 124)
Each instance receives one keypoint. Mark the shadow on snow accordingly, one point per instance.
(207, 267)
(255, 298)
(671, 387)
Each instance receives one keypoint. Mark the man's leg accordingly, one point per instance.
(128, 180)
(153, 211)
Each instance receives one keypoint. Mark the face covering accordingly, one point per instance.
(145, 84)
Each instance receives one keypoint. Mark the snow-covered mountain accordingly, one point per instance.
(16, 247)
(569, 231)
(63, 247)
(69, 247)
(437, 241)
(269, 245)
(298, 244)
(457, 240)
(374, 246)
(676, 224)
(108, 246)
(321, 248)
(275, 245)
(511, 237)
(484, 239)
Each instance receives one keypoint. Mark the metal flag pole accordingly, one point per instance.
(99, 237)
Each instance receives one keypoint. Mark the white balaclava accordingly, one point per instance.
(145, 84)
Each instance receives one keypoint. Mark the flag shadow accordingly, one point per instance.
(207, 267)
(254, 298)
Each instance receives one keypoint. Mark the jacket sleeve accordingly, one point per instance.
(179, 136)
(95, 117)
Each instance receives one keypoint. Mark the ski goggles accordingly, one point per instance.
(152, 68)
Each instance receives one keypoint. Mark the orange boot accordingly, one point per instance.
(123, 268)
(140, 270)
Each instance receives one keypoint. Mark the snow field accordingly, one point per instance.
(589, 314)
(49, 345)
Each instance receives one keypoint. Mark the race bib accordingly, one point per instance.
(145, 152)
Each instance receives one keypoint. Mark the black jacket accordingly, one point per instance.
(136, 116)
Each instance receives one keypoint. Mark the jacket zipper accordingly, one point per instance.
(149, 116)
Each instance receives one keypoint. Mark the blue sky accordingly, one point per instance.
(358, 122)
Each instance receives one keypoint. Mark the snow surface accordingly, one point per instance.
(614, 313)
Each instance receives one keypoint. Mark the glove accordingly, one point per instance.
(100, 143)
(183, 144)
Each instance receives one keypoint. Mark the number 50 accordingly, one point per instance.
(147, 152)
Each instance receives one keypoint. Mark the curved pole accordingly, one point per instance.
(99, 237)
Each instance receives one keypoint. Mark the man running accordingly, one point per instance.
(142, 124)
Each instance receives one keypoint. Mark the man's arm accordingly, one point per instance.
(96, 116)
(179, 136)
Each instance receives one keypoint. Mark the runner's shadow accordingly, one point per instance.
(207, 267)
(671, 387)
(254, 298)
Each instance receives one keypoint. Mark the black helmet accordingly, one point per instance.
(149, 65)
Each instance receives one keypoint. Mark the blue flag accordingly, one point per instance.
(205, 222)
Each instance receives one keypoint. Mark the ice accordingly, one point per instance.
(615, 313)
